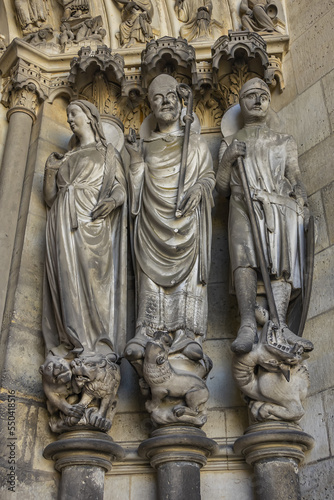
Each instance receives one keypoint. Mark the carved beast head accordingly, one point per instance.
(56, 370)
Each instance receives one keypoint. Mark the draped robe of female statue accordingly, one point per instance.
(85, 269)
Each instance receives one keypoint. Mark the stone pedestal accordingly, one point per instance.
(83, 457)
(275, 450)
(178, 453)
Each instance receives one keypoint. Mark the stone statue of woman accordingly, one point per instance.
(85, 278)
(85, 241)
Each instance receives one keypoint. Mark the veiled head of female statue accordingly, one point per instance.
(82, 114)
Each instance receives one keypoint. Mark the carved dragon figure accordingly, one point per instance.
(273, 378)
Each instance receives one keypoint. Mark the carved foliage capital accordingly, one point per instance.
(25, 88)
(24, 99)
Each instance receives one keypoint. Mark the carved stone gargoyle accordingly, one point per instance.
(273, 378)
(82, 392)
(176, 396)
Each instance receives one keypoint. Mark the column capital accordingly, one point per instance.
(92, 448)
(177, 444)
(25, 88)
(273, 440)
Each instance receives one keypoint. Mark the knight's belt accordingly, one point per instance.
(268, 199)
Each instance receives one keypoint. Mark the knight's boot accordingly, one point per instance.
(245, 285)
(245, 339)
(282, 292)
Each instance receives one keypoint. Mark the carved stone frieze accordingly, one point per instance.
(89, 29)
(31, 14)
(264, 16)
(136, 22)
(42, 38)
(74, 10)
(169, 55)
(197, 18)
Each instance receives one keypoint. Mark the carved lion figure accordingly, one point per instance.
(273, 378)
(97, 376)
(57, 384)
(165, 382)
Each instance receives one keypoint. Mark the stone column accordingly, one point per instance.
(178, 453)
(21, 117)
(275, 450)
(83, 457)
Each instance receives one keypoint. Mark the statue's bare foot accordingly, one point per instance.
(245, 339)
(292, 338)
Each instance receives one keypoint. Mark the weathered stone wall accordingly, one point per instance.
(307, 108)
